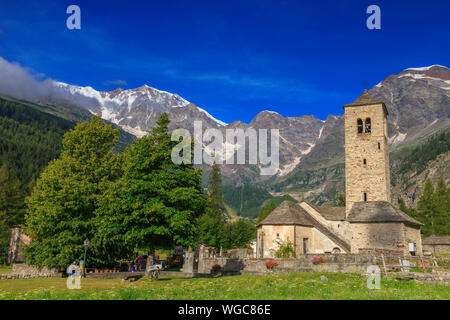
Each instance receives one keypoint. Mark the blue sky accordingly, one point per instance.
(232, 58)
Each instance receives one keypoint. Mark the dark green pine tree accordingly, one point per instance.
(12, 208)
(215, 205)
(443, 212)
(428, 208)
(156, 203)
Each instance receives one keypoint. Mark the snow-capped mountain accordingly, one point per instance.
(135, 110)
(418, 100)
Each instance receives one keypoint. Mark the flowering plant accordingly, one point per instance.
(216, 267)
(318, 260)
(272, 264)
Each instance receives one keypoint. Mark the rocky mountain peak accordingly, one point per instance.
(434, 71)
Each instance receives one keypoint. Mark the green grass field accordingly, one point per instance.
(271, 286)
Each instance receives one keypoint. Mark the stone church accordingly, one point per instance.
(369, 220)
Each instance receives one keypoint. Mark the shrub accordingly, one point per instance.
(285, 250)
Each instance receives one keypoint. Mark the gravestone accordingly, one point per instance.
(188, 263)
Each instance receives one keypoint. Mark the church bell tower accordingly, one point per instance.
(367, 174)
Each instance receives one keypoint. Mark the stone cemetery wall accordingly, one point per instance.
(24, 271)
(334, 263)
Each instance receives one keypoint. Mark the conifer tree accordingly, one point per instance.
(443, 212)
(215, 205)
(428, 207)
(12, 208)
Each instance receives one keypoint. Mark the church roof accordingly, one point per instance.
(288, 213)
(364, 100)
(378, 211)
(330, 213)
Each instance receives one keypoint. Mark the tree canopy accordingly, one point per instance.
(156, 202)
(61, 207)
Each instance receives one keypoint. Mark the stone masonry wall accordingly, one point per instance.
(444, 248)
(335, 263)
(377, 235)
(25, 271)
(373, 177)
(413, 235)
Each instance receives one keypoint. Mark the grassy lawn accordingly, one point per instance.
(273, 286)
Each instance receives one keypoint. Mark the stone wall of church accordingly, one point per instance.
(377, 236)
(413, 235)
(372, 178)
(268, 238)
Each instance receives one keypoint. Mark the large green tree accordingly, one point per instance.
(155, 203)
(239, 234)
(61, 207)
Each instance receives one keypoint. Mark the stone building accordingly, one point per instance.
(17, 239)
(369, 220)
(437, 244)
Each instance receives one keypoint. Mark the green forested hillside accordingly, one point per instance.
(412, 161)
(248, 201)
(245, 200)
(29, 139)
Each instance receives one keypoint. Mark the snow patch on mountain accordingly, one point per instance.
(131, 109)
(397, 138)
(426, 68)
(212, 118)
(273, 112)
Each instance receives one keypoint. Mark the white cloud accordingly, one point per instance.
(19, 82)
(115, 83)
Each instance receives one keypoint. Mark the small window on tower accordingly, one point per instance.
(368, 126)
(365, 196)
(365, 161)
(379, 146)
(360, 126)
